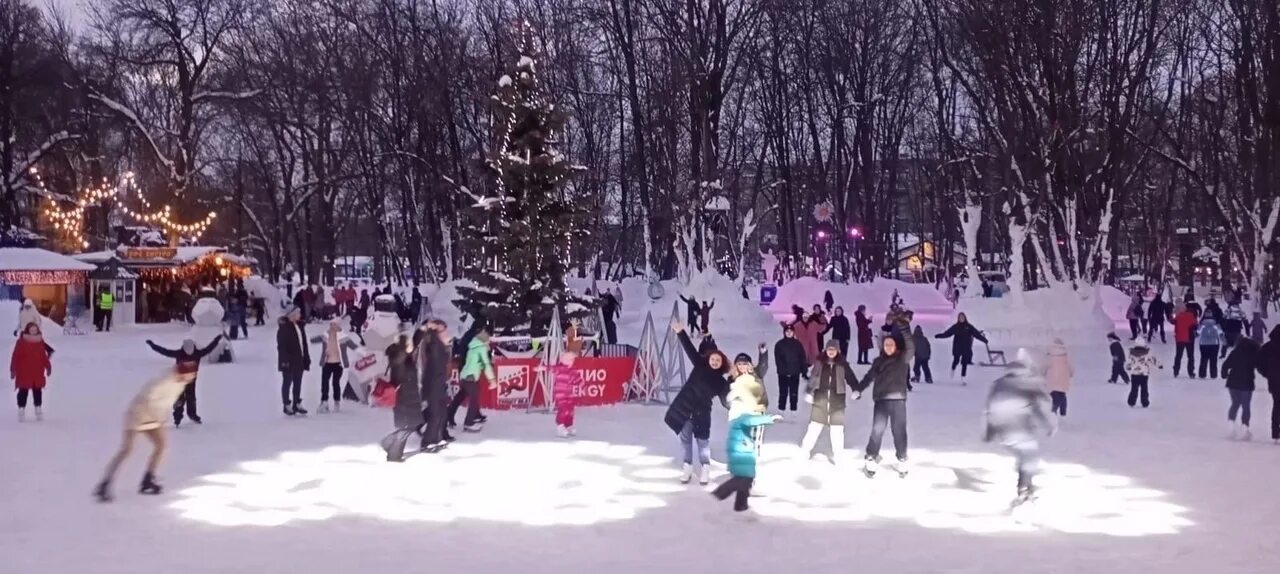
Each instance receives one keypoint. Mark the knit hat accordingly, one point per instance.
(742, 358)
(833, 344)
(1113, 336)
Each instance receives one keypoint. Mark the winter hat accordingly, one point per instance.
(742, 358)
(1112, 336)
(833, 344)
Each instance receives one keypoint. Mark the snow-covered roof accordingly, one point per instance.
(1205, 254)
(34, 259)
(181, 255)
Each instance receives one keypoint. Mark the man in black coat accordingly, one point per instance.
(841, 330)
(437, 350)
(609, 307)
(294, 358)
(1269, 367)
(788, 354)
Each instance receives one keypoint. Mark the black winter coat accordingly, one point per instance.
(293, 353)
(840, 328)
(1240, 365)
(788, 354)
(889, 377)
(1117, 352)
(693, 402)
(1268, 363)
(187, 362)
(435, 370)
(964, 333)
(403, 367)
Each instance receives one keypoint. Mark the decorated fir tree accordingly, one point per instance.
(521, 230)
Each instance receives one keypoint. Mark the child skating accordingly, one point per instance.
(146, 415)
(745, 416)
(566, 385)
(30, 367)
(1139, 366)
(1117, 360)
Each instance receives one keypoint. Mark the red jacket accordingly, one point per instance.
(30, 364)
(1184, 327)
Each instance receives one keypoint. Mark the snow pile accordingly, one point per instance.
(51, 329)
(1115, 303)
(877, 295)
(1037, 317)
(273, 297)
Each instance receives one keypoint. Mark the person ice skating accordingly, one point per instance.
(293, 357)
(1184, 338)
(478, 362)
(573, 341)
(565, 387)
(824, 324)
(1232, 327)
(1117, 360)
(1134, 315)
(146, 415)
(188, 358)
(788, 355)
(888, 379)
(1257, 328)
(1210, 338)
(402, 361)
(30, 367)
(1139, 366)
(707, 344)
(435, 385)
(692, 312)
(962, 348)
(828, 301)
(1017, 411)
(1157, 311)
(752, 385)
(689, 415)
(704, 315)
(923, 352)
(863, 322)
(740, 444)
(1238, 370)
(1057, 375)
(1269, 367)
(334, 359)
(841, 331)
(610, 309)
(826, 395)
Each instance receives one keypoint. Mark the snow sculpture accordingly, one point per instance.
(207, 314)
(768, 264)
(380, 331)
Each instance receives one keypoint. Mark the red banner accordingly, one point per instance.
(604, 381)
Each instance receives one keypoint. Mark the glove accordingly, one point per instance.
(808, 398)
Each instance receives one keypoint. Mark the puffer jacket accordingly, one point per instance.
(1210, 332)
(693, 402)
(889, 376)
(477, 362)
(1240, 365)
(1141, 361)
(153, 405)
(1057, 369)
(741, 444)
(749, 391)
(1184, 327)
(1017, 406)
(828, 381)
(566, 383)
(923, 347)
(403, 365)
(789, 355)
(29, 366)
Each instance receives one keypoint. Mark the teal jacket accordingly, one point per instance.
(477, 361)
(742, 445)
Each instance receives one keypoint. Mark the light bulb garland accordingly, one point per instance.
(72, 220)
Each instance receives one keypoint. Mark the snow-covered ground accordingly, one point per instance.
(1160, 489)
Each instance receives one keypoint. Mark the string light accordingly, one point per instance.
(72, 220)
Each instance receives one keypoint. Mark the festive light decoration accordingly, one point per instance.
(72, 220)
(42, 277)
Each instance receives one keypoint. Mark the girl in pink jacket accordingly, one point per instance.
(1057, 375)
(566, 384)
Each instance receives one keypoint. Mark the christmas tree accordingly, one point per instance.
(521, 230)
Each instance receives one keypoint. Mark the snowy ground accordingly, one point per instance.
(1160, 489)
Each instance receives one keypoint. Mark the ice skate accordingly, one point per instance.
(1245, 435)
(323, 408)
(298, 410)
(149, 485)
(196, 419)
(103, 492)
(704, 478)
(337, 406)
(1025, 495)
(561, 431)
(288, 411)
(572, 432)
(871, 467)
(1235, 431)
(39, 414)
(686, 473)
(22, 415)
(902, 468)
(473, 427)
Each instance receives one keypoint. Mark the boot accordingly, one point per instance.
(837, 444)
(298, 410)
(686, 473)
(149, 485)
(103, 492)
(196, 419)
(288, 410)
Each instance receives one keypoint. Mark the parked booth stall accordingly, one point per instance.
(54, 282)
(168, 278)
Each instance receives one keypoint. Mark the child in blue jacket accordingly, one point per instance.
(744, 417)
